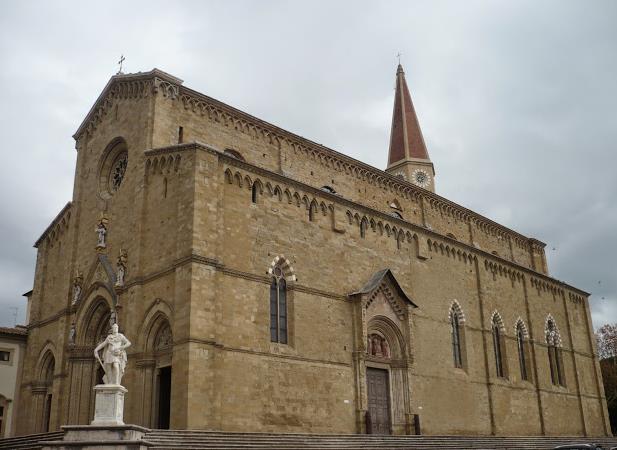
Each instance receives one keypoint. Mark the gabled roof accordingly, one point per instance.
(377, 279)
(406, 140)
(124, 77)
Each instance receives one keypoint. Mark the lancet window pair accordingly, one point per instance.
(278, 306)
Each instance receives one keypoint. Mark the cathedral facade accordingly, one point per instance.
(268, 283)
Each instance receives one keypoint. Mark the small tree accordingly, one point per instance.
(606, 338)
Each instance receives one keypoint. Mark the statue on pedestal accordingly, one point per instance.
(77, 283)
(101, 234)
(114, 355)
(121, 268)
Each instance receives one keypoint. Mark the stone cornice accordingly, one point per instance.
(53, 224)
(384, 216)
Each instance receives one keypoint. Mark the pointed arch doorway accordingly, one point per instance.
(158, 373)
(382, 312)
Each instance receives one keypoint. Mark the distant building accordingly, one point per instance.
(269, 283)
(12, 349)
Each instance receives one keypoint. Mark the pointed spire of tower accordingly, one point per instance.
(408, 155)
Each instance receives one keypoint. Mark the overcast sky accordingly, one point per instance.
(516, 101)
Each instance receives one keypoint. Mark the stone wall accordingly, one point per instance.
(201, 230)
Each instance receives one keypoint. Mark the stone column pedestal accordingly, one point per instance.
(92, 437)
(109, 405)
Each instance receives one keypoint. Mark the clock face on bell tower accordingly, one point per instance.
(420, 177)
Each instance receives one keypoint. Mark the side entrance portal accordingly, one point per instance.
(164, 397)
(378, 400)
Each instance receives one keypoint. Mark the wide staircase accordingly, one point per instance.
(179, 439)
(187, 439)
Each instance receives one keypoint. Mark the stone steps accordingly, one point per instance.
(28, 442)
(199, 440)
(181, 439)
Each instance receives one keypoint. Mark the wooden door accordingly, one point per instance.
(378, 400)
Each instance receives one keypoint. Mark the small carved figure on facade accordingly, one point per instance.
(72, 333)
(77, 282)
(164, 339)
(378, 346)
(121, 268)
(101, 233)
(114, 355)
(385, 348)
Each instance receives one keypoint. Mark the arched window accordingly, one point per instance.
(456, 341)
(553, 341)
(457, 320)
(522, 346)
(498, 345)
(254, 193)
(312, 210)
(363, 227)
(278, 306)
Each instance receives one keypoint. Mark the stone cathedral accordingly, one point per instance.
(269, 283)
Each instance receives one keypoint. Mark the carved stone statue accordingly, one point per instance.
(378, 346)
(385, 348)
(101, 232)
(121, 268)
(72, 333)
(77, 281)
(114, 355)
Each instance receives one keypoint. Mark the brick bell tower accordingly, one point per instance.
(408, 157)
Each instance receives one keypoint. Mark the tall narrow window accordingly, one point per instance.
(555, 361)
(456, 340)
(180, 135)
(522, 351)
(254, 193)
(278, 307)
(498, 347)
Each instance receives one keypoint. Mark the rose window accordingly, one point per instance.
(118, 169)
